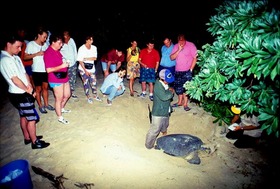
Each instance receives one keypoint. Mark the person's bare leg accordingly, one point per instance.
(144, 87)
(131, 82)
(66, 94)
(23, 126)
(151, 88)
(38, 95)
(58, 93)
(180, 100)
(31, 127)
(45, 93)
(185, 98)
(107, 71)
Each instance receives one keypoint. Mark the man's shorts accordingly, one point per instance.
(24, 103)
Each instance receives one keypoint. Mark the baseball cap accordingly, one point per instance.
(166, 75)
(235, 110)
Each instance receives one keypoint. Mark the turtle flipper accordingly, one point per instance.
(193, 158)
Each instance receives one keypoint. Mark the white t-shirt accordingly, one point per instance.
(84, 52)
(11, 66)
(38, 61)
(69, 51)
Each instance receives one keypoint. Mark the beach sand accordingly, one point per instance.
(104, 145)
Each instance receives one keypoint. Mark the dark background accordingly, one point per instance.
(115, 23)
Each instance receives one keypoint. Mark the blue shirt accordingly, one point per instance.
(112, 79)
(165, 56)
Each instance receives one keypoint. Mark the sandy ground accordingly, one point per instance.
(104, 145)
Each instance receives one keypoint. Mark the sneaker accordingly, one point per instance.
(39, 144)
(43, 110)
(97, 99)
(89, 100)
(65, 111)
(64, 121)
(142, 95)
(74, 96)
(49, 107)
(29, 141)
(109, 102)
(151, 97)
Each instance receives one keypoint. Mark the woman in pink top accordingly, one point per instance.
(58, 79)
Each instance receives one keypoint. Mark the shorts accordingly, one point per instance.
(24, 103)
(53, 85)
(113, 67)
(39, 78)
(180, 79)
(147, 75)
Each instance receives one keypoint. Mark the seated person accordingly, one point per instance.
(113, 85)
(245, 128)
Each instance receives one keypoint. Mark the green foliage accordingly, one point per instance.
(242, 66)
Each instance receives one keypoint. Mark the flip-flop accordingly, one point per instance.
(187, 108)
(175, 105)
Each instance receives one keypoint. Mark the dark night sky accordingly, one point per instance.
(117, 23)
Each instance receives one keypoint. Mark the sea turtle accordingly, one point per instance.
(182, 145)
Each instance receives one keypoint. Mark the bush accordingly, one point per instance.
(242, 66)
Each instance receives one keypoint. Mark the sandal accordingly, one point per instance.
(49, 107)
(187, 108)
(175, 105)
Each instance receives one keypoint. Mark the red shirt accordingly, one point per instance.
(112, 56)
(149, 58)
(25, 62)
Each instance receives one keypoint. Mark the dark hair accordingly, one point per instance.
(40, 31)
(150, 41)
(121, 68)
(9, 38)
(120, 49)
(88, 36)
(181, 36)
(55, 37)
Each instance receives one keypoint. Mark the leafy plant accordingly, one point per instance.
(242, 66)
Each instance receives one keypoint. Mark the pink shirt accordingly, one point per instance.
(185, 57)
(52, 59)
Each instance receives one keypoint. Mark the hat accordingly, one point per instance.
(166, 75)
(235, 109)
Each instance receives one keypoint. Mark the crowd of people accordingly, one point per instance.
(52, 62)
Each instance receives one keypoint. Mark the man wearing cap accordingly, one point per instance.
(245, 128)
(161, 110)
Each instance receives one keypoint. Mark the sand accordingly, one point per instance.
(104, 145)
